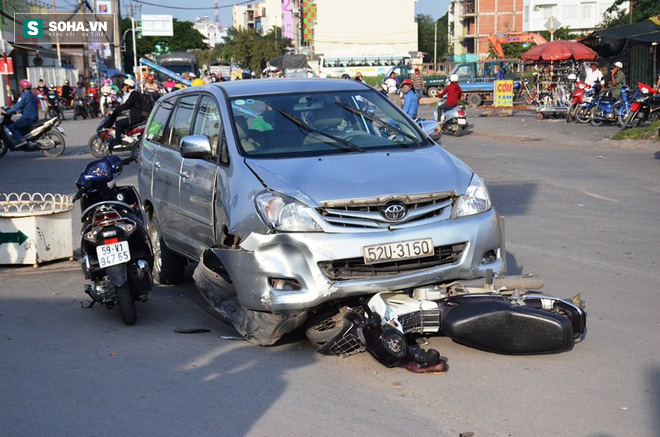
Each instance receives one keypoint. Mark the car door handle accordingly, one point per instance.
(185, 174)
(157, 164)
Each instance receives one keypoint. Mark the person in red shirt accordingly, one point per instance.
(453, 92)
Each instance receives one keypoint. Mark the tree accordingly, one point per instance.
(250, 49)
(185, 38)
(426, 35)
(562, 33)
(641, 10)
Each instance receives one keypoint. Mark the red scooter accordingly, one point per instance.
(99, 143)
(645, 106)
(576, 99)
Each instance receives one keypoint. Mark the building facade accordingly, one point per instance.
(472, 21)
(337, 27)
(213, 33)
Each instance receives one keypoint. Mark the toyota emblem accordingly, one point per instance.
(394, 211)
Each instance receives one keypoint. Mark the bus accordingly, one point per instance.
(369, 66)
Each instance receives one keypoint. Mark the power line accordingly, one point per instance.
(189, 8)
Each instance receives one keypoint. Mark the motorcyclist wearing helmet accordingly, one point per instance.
(410, 100)
(67, 94)
(28, 106)
(197, 82)
(132, 104)
(453, 92)
(150, 84)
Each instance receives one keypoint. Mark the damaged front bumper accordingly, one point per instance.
(289, 273)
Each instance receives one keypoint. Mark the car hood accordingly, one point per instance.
(313, 180)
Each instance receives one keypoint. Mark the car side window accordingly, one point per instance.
(181, 124)
(208, 122)
(156, 128)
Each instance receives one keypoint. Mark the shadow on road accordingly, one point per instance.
(512, 199)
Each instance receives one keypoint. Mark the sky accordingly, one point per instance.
(434, 8)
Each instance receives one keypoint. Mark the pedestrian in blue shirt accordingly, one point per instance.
(28, 106)
(410, 101)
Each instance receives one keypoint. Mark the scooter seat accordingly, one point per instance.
(34, 125)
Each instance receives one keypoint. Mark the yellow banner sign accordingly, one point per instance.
(503, 95)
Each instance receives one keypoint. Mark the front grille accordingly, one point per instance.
(355, 268)
(365, 213)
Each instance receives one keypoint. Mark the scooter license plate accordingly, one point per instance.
(111, 254)
(395, 251)
(462, 121)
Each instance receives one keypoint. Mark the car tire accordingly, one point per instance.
(432, 91)
(169, 267)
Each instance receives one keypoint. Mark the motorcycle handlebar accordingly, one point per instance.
(78, 195)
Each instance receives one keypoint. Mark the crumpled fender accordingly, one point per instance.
(258, 327)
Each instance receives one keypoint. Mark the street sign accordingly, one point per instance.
(503, 95)
(13, 237)
(157, 25)
(552, 24)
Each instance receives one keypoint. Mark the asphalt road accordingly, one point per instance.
(581, 211)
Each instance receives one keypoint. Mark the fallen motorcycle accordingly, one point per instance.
(503, 315)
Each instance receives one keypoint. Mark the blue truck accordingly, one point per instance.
(477, 79)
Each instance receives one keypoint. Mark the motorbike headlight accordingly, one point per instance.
(284, 214)
(475, 200)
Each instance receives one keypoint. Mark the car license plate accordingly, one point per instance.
(395, 251)
(462, 121)
(111, 254)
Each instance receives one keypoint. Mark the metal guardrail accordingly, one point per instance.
(29, 204)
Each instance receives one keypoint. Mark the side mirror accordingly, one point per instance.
(195, 146)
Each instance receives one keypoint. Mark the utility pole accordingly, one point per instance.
(135, 66)
(435, 46)
(302, 25)
(118, 33)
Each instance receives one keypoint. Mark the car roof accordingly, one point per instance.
(252, 87)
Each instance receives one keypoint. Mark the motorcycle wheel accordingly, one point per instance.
(135, 150)
(593, 113)
(169, 267)
(582, 114)
(324, 327)
(98, 148)
(571, 113)
(458, 131)
(126, 305)
(58, 144)
(3, 149)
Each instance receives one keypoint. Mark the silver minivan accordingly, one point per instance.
(296, 193)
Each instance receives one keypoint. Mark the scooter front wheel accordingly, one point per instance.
(596, 116)
(582, 114)
(126, 304)
(52, 144)
(98, 147)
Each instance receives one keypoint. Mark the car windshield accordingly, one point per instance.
(310, 124)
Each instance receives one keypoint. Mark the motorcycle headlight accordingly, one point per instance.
(475, 200)
(284, 214)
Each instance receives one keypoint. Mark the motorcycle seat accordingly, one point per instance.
(607, 99)
(34, 125)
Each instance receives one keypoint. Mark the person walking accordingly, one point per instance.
(418, 83)
(410, 100)
(618, 80)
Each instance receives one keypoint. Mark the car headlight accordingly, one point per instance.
(475, 200)
(282, 213)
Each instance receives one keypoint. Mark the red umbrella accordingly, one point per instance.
(559, 51)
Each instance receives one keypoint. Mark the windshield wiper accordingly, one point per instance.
(379, 121)
(301, 124)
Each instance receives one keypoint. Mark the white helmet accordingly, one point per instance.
(618, 64)
(572, 76)
(453, 78)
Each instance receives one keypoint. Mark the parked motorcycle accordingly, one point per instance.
(606, 108)
(80, 109)
(501, 315)
(453, 120)
(55, 107)
(45, 136)
(117, 256)
(576, 99)
(645, 106)
(583, 108)
(99, 143)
